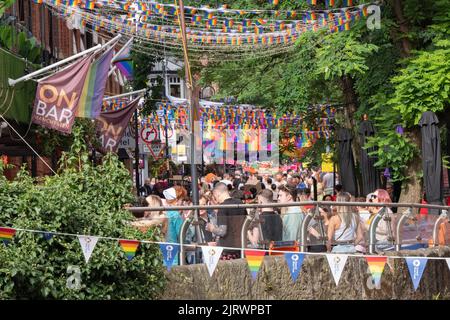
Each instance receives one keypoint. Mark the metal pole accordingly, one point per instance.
(13, 82)
(164, 90)
(125, 94)
(191, 100)
(121, 50)
(136, 151)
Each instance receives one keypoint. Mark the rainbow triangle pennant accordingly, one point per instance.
(376, 267)
(6, 234)
(129, 247)
(254, 260)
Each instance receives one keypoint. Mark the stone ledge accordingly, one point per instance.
(232, 280)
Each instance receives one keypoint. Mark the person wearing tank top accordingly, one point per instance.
(344, 229)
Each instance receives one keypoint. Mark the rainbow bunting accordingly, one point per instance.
(348, 3)
(330, 3)
(376, 267)
(38, 1)
(312, 2)
(364, 11)
(89, 4)
(347, 26)
(254, 260)
(6, 234)
(129, 247)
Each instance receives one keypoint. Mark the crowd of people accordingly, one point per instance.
(333, 228)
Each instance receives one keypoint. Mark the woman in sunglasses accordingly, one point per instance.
(384, 231)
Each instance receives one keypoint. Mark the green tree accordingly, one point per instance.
(82, 199)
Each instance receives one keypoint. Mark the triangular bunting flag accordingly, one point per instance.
(211, 256)
(6, 234)
(129, 247)
(169, 252)
(448, 262)
(87, 245)
(294, 262)
(376, 267)
(254, 260)
(337, 263)
(416, 267)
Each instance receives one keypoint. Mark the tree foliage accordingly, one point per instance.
(82, 199)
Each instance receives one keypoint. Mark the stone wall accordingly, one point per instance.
(232, 280)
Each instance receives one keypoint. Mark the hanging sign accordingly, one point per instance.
(149, 134)
(327, 162)
(156, 149)
(128, 140)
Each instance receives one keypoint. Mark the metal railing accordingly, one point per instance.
(314, 214)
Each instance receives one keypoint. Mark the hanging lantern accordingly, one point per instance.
(399, 129)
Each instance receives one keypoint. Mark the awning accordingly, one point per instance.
(15, 102)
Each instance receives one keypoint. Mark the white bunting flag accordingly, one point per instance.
(211, 256)
(448, 263)
(337, 263)
(87, 245)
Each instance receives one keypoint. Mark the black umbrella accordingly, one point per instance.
(346, 162)
(431, 158)
(370, 180)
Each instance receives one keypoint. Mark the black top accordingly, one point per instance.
(233, 219)
(271, 226)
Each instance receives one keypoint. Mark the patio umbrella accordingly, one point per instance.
(346, 162)
(370, 181)
(431, 158)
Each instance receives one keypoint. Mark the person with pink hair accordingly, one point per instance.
(385, 228)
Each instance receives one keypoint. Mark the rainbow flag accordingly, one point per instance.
(376, 267)
(312, 2)
(38, 1)
(348, 3)
(330, 3)
(6, 234)
(89, 4)
(274, 2)
(129, 247)
(254, 260)
(91, 99)
(125, 64)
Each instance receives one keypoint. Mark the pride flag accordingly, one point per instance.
(129, 247)
(91, 99)
(89, 4)
(6, 234)
(376, 267)
(254, 260)
(125, 64)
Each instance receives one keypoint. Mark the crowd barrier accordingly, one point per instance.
(395, 238)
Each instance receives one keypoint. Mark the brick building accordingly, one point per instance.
(59, 38)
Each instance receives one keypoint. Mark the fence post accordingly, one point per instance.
(443, 216)
(408, 214)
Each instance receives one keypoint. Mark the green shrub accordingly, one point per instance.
(82, 199)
